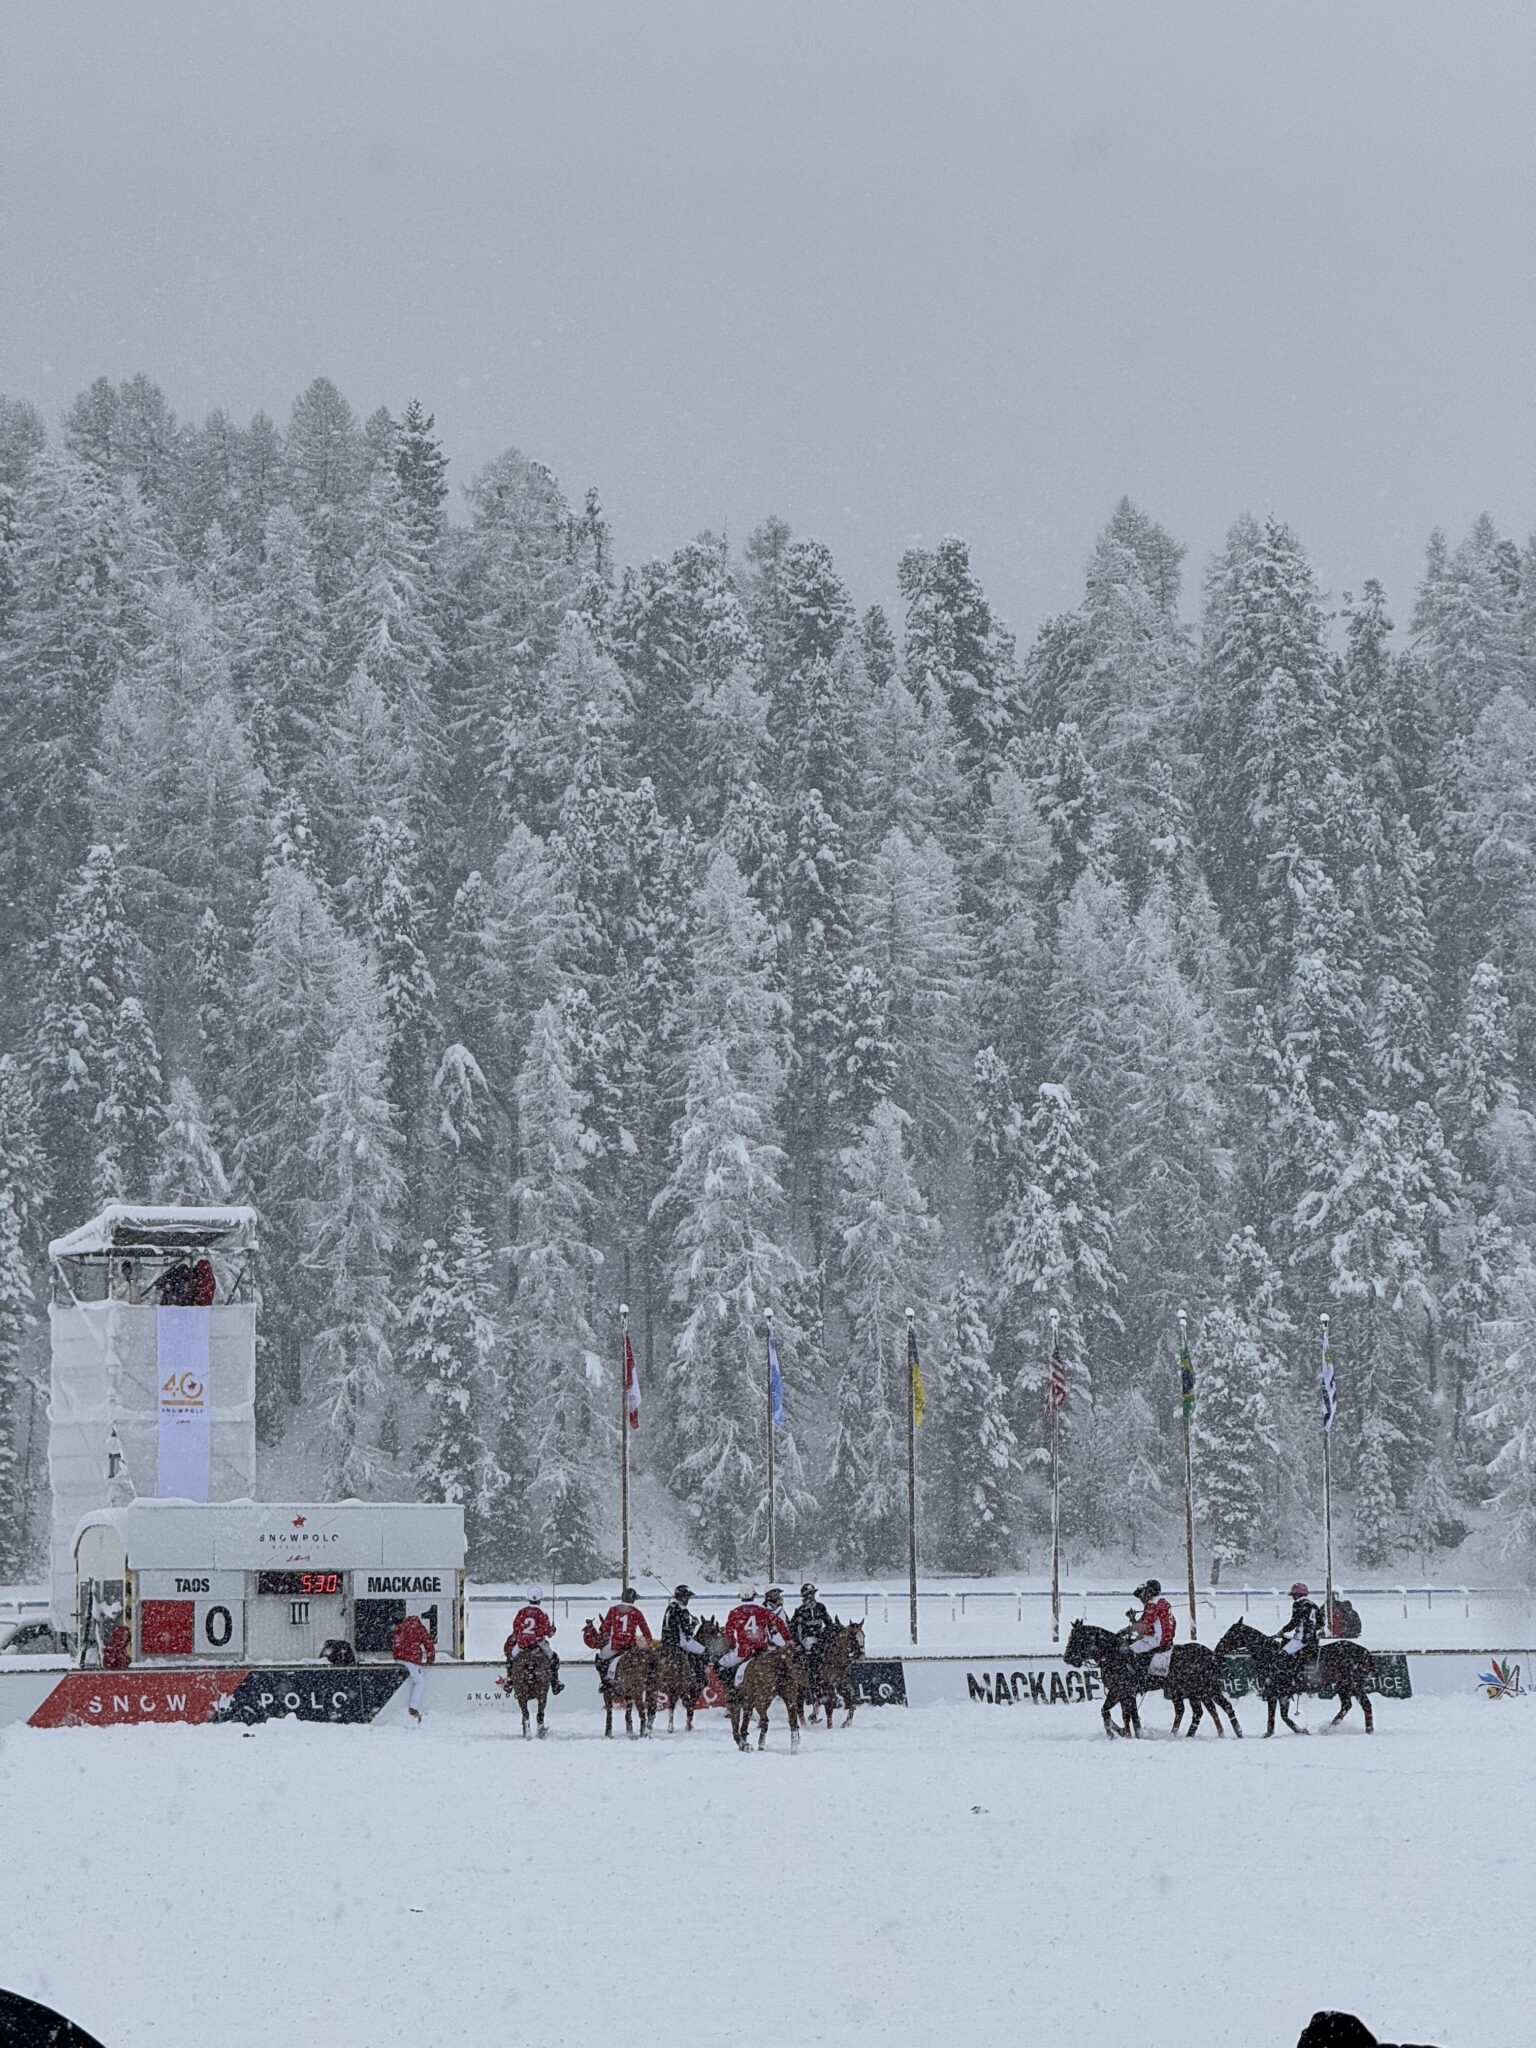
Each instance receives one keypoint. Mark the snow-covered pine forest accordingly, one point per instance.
(523, 932)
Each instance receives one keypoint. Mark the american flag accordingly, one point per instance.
(1056, 1392)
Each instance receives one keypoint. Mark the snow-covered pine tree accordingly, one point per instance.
(915, 941)
(1059, 1255)
(19, 1169)
(551, 1335)
(452, 1339)
(972, 1487)
(1245, 1461)
(301, 967)
(957, 649)
(352, 1217)
(280, 667)
(1504, 1417)
(885, 1240)
(87, 980)
(188, 1167)
(729, 1263)
(68, 619)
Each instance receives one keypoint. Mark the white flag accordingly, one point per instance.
(1330, 1391)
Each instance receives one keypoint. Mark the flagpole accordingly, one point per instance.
(1327, 1504)
(773, 1554)
(911, 1478)
(1055, 1492)
(624, 1446)
(1189, 1480)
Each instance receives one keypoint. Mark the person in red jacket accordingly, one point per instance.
(619, 1630)
(1151, 1632)
(749, 1627)
(531, 1627)
(411, 1644)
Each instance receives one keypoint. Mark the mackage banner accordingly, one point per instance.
(185, 1437)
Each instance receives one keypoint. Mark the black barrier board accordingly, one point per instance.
(1389, 1678)
(337, 1693)
(879, 1682)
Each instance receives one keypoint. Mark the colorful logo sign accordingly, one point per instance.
(1501, 1681)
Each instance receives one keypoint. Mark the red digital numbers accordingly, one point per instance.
(319, 1582)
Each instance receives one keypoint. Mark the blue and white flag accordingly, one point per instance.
(775, 1383)
(1330, 1391)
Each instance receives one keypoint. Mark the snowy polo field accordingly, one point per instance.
(991, 1856)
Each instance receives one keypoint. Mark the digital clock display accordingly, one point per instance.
(299, 1585)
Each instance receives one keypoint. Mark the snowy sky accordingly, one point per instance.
(890, 270)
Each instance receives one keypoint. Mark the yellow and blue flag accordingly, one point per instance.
(919, 1391)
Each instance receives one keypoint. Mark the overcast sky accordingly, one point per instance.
(890, 270)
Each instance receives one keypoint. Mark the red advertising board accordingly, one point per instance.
(106, 1699)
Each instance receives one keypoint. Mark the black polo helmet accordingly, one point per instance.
(682, 1593)
(629, 1596)
(1149, 1589)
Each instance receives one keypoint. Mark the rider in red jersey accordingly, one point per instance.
(619, 1630)
(531, 1626)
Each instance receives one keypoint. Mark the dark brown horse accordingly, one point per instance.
(830, 1678)
(1342, 1666)
(529, 1678)
(771, 1675)
(633, 1685)
(680, 1677)
(1194, 1680)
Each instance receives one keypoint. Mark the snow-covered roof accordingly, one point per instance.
(245, 1535)
(144, 1226)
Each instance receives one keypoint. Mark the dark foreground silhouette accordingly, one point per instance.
(24, 2024)
(1343, 2030)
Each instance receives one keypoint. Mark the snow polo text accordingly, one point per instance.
(1033, 1688)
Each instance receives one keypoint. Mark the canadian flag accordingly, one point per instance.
(631, 1384)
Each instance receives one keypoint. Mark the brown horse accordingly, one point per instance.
(830, 1678)
(770, 1675)
(634, 1685)
(678, 1677)
(1345, 1667)
(529, 1678)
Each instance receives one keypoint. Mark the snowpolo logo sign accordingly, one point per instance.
(311, 1695)
(297, 1542)
(1032, 1685)
(93, 1699)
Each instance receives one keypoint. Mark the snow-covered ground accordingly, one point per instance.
(928, 1876)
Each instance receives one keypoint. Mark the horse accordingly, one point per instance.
(634, 1683)
(529, 1677)
(829, 1679)
(1194, 1679)
(679, 1677)
(1346, 1666)
(770, 1675)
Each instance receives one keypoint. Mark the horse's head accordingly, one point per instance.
(856, 1637)
(1238, 1638)
(1077, 1650)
